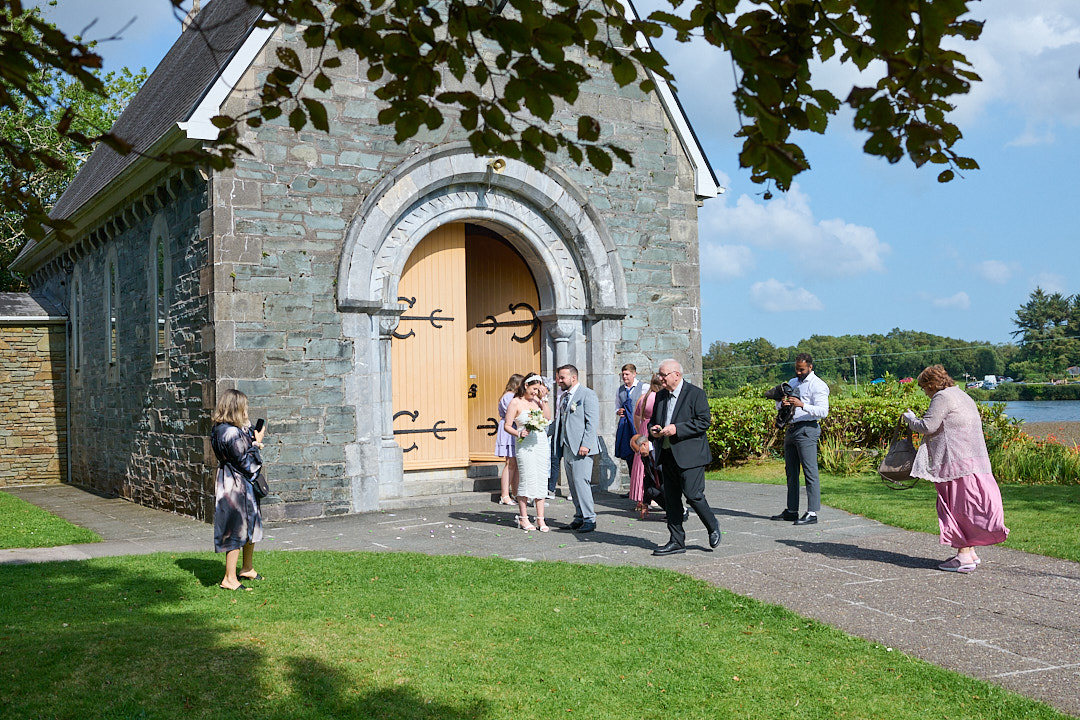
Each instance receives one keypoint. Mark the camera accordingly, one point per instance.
(786, 412)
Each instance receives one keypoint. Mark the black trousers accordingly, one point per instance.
(689, 482)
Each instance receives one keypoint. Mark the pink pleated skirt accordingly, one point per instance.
(970, 511)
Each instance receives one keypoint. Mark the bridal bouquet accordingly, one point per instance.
(535, 421)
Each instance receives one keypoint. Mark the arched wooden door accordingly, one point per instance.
(429, 354)
(503, 331)
(469, 324)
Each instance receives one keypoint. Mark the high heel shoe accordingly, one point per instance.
(524, 524)
(541, 525)
(642, 510)
(506, 501)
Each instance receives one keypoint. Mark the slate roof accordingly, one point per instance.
(169, 95)
(25, 305)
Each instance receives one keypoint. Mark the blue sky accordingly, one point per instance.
(858, 245)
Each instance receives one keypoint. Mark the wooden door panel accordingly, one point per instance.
(503, 333)
(429, 354)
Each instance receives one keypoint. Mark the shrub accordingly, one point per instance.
(836, 459)
(1030, 461)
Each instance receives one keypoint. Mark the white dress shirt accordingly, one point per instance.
(814, 393)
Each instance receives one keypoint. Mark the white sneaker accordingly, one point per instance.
(552, 496)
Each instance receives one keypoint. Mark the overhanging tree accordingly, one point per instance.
(500, 67)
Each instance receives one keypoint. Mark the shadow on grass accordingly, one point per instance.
(325, 692)
(208, 572)
(123, 638)
(843, 551)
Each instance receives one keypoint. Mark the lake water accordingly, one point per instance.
(1044, 411)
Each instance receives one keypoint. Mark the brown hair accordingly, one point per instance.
(631, 367)
(513, 383)
(232, 408)
(935, 378)
(523, 388)
(656, 384)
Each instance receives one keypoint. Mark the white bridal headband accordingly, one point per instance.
(533, 379)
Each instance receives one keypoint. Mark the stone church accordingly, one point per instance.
(370, 297)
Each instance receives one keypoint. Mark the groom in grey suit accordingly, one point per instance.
(576, 416)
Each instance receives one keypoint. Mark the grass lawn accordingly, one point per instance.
(1041, 518)
(388, 636)
(23, 525)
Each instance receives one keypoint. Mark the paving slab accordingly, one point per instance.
(1013, 622)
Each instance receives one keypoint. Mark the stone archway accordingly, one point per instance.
(543, 215)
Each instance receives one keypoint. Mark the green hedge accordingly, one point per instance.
(743, 428)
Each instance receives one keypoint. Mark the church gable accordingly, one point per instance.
(313, 274)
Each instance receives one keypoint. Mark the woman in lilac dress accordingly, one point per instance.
(237, 520)
(953, 456)
(505, 445)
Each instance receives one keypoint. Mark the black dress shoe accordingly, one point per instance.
(807, 519)
(786, 515)
(587, 526)
(576, 524)
(669, 549)
(714, 538)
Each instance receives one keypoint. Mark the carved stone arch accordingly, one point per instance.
(543, 214)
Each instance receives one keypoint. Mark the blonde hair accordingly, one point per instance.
(232, 408)
(935, 378)
(513, 383)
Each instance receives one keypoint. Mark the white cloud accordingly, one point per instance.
(959, 301)
(994, 271)
(1050, 282)
(775, 296)
(830, 248)
(721, 262)
(1026, 57)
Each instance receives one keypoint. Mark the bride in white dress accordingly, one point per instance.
(533, 449)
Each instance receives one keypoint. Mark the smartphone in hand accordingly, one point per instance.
(260, 424)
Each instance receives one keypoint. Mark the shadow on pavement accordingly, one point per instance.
(843, 551)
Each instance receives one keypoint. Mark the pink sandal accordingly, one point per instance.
(954, 564)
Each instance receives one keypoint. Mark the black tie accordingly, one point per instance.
(563, 404)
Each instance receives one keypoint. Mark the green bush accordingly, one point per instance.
(1030, 461)
(743, 428)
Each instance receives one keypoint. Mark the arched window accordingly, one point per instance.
(159, 287)
(113, 304)
(74, 319)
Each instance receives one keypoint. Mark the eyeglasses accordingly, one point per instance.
(664, 375)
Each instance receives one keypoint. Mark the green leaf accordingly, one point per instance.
(322, 82)
(945, 176)
(588, 129)
(297, 119)
(599, 159)
(288, 57)
(317, 112)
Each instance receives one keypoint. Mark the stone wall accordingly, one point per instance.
(139, 425)
(33, 405)
(280, 219)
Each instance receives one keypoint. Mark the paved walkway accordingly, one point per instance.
(1014, 622)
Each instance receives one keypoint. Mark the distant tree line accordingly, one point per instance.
(1048, 343)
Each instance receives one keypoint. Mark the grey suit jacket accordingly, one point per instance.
(581, 422)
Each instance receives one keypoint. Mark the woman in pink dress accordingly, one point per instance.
(953, 456)
(642, 413)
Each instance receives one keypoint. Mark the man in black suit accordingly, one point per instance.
(679, 421)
